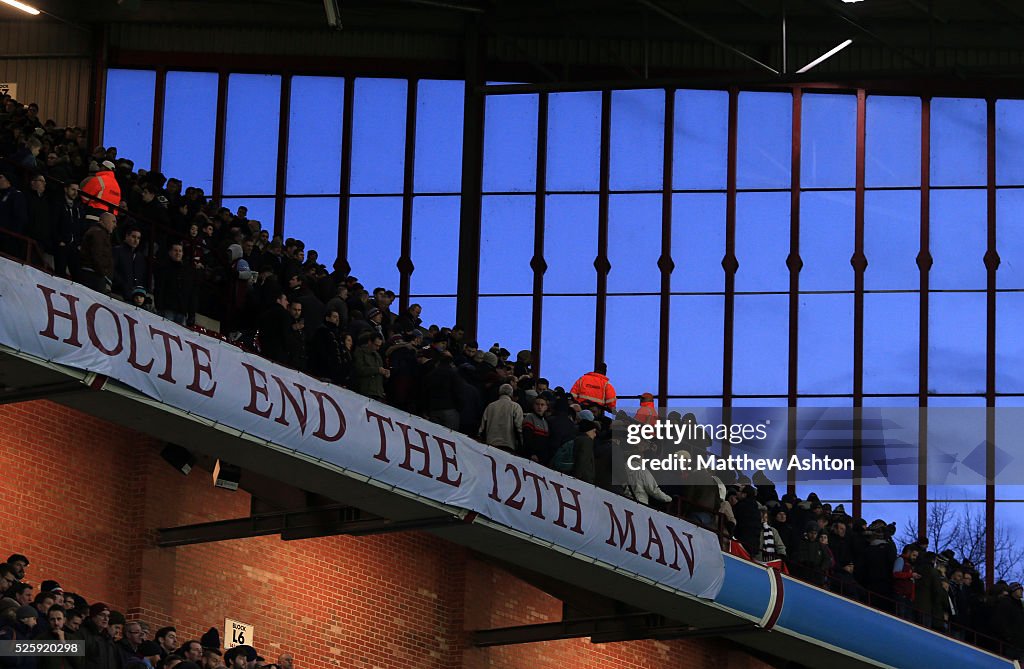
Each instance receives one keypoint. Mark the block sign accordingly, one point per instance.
(9, 88)
(237, 633)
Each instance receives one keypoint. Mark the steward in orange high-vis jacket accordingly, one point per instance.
(104, 186)
(594, 388)
(647, 413)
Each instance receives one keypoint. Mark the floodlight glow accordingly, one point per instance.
(22, 6)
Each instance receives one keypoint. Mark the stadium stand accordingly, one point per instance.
(168, 250)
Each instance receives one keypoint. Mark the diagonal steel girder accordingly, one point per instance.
(680, 21)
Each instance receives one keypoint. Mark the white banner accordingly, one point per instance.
(66, 323)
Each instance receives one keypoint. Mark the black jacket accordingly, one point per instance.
(129, 270)
(100, 652)
(326, 359)
(275, 323)
(70, 224)
(440, 389)
(176, 288)
(41, 219)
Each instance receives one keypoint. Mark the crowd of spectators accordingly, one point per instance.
(165, 248)
(47, 613)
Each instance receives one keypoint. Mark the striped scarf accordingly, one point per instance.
(768, 547)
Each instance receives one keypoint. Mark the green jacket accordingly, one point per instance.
(366, 377)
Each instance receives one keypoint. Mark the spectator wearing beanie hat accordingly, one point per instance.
(502, 422)
(584, 466)
(115, 628)
(21, 628)
(211, 649)
(100, 652)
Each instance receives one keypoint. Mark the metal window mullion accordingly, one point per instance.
(601, 264)
(729, 263)
(794, 264)
(924, 265)
(345, 183)
(159, 93)
(859, 267)
(537, 263)
(281, 184)
(220, 136)
(405, 264)
(991, 265)
(665, 262)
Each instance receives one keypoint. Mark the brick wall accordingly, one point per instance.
(86, 498)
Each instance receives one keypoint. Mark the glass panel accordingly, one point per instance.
(698, 242)
(375, 240)
(634, 243)
(1010, 238)
(637, 140)
(956, 346)
(574, 141)
(1009, 523)
(378, 135)
(570, 244)
(764, 137)
(700, 148)
(1009, 425)
(506, 321)
(904, 514)
(828, 124)
(761, 345)
(439, 108)
(435, 244)
(891, 343)
(892, 143)
(695, 345)
(826, 240)
(959, 142)
(762, 241)
(314, 220)
(506, 244)
(128, 114)
(190, 128)
(261, 209)
(1009, 142)
(438, 311)
(892, 239)
(250, 144)
(959, 238)
(825, 344)
(954, 524)
(631, 344)
(814, 427)
(1009, 343)
(314, 166)
(510, 143)
(567, 338)
(897, 443)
